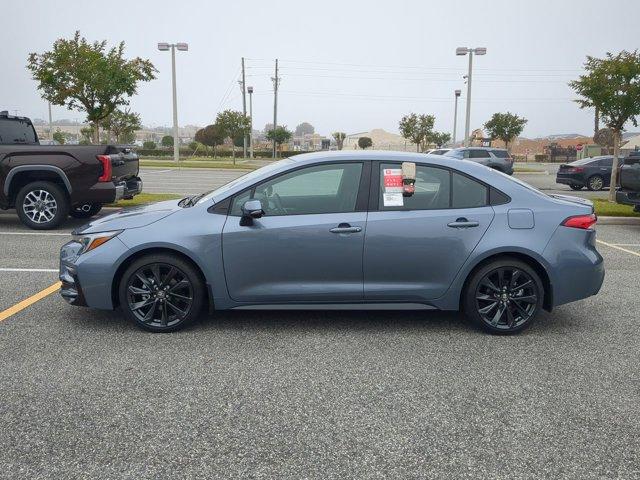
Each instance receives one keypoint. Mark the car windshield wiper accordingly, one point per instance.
(190, 201)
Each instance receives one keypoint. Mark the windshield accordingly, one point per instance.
(246, 177)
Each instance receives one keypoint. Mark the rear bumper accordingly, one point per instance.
(128, 189)
(109, 192)
(570, 181)
(628, 197)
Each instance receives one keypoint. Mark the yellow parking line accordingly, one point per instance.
(29, 301)
(619, 248)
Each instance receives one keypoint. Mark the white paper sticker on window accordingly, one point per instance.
(392, 199)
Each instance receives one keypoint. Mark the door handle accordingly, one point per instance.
(463, 223)
(345, 228)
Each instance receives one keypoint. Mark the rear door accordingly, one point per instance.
(308, 245)
(415, 246)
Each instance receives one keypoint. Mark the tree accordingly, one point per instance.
(417, 129)
(88, 77)
(87, 134)
(365, 142)
(339, 138)
(123, 125)
(604, 138)
(612, 85)
(279, 135)
(167, 141)
(304, 128)
(149, 145)
(234, 125)
(439, 138)
(211, 135)
(505, 126)
(59, 137)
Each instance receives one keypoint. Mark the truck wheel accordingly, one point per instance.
(595, 183)
(85, 210)
(42, 205)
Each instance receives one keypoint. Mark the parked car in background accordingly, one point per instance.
(629, 191)
(339, 231)
(496, 158)
(45, 183)
(438, 151)
(593, 173)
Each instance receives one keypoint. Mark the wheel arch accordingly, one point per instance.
(117, 277)
(527, 258)
(22, 175)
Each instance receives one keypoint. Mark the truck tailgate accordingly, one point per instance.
(125, 165)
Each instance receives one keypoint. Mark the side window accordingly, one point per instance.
(468, 193)
(478, 154)
(432, 188)
(331, 188)
(606, 162)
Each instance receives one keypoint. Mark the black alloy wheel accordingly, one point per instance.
(504, 297)
(161, 293)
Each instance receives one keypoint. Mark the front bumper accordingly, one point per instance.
(70, 290)
(628, 197)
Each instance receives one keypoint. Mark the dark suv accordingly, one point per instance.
(496, 158)
(45, 183)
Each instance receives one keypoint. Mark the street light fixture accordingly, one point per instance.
(183, 47)
(461, 51)
(250, 90)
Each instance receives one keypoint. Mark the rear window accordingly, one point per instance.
(583, 161)
(501, 153)
(455, 154)
(14, 131)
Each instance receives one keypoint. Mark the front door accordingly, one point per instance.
(308, 245)
(415, 246)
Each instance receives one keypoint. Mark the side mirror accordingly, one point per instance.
(252, 209)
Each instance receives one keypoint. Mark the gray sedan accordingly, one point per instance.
(342, 230)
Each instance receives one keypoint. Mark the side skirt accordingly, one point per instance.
(337, 306)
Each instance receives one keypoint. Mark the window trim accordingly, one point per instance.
(374, 191)
(361, 198)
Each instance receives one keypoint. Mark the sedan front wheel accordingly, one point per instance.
(161, 293)
(504, 296)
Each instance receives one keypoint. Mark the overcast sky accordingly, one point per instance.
(345, 65)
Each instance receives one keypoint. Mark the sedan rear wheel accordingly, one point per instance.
(161, 293)
(575, 187)
(504, 296)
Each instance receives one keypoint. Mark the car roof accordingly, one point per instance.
(482, 148)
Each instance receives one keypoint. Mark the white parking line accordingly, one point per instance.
(626, 244)
(44, 234)
(30, 270)
(611, 245)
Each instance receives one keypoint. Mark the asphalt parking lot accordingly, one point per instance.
(85, 394)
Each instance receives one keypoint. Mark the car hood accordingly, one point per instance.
(133, 217)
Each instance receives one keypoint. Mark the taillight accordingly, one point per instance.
(575, 170)
(107, 173)
(584, 222)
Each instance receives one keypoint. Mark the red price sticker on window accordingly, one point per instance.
(392, 179)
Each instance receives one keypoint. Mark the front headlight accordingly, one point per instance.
(91, 241)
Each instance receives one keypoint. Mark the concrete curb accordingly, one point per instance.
(618, 220)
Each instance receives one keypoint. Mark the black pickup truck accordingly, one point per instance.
(629, 191)
(46, 183)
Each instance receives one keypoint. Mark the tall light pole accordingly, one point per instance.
(455, 117)
(163, 47)
(464, 51)
(250, 90)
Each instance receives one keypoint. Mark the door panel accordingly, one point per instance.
(295, 258)
(415, 255)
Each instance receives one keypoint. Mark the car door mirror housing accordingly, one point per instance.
(252, 209)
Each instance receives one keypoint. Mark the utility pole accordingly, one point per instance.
(455, 117)
(250, 90)
(276, 84)
(464, 51)
(163, 47)
(244, 109)
(50, 124)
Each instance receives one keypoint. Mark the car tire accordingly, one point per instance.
(502, 301)
(575, 187)
(595, 183)
(85, 210)
(42, 205)
(168, 292)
